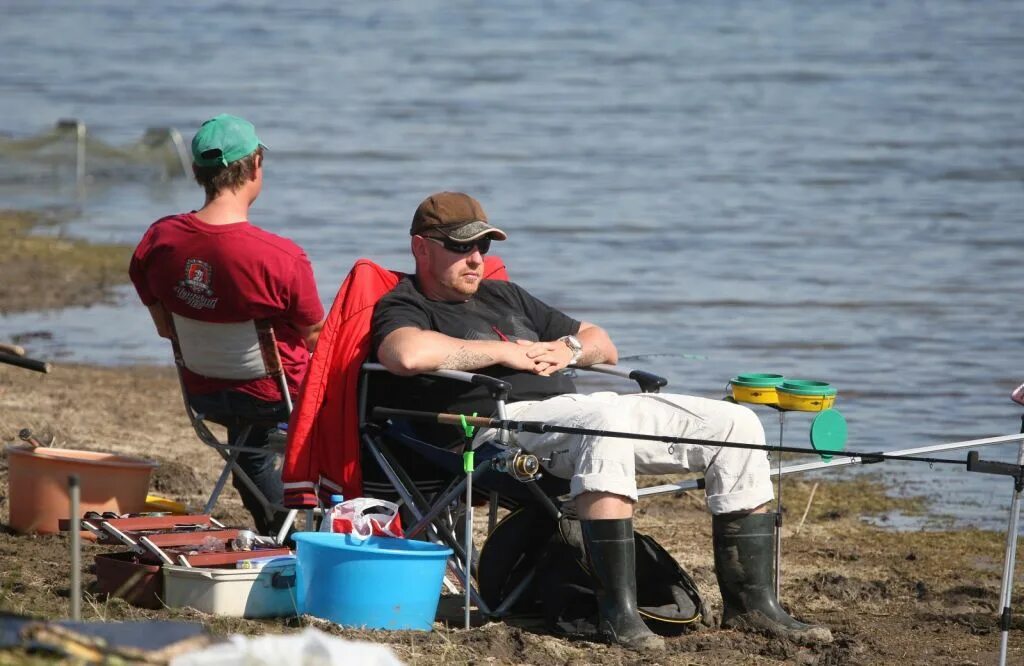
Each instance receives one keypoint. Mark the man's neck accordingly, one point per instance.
(437, 293)
(228, 208)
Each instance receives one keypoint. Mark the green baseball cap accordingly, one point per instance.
(224, 139)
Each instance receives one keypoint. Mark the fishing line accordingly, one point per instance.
(651, 355)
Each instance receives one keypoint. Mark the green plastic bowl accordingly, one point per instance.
(806, 387)
(757, 380)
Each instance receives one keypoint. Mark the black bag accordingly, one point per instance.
(561, 590)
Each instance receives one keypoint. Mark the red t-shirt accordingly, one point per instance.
(231, 273)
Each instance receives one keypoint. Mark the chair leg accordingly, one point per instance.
(492, 512)
(286, 526)
(231, 460)
(231, 465)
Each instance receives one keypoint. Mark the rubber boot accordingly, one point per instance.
(745, 567)
(612, 559)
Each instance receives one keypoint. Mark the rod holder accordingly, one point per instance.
(976, 464)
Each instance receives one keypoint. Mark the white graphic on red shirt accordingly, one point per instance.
(196, 289)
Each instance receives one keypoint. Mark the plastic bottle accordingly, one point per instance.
(327, 519)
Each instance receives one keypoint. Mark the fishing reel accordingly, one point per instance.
(518, 464)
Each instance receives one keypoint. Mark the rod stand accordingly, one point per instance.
(975, 464)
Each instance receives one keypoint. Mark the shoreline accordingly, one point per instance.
(936, 592)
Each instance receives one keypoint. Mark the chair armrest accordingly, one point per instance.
(647, 381)
(498, 388)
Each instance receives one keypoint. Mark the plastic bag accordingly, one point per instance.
(311, 646)
(364, 517)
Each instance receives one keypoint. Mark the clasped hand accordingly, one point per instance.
(541, 358)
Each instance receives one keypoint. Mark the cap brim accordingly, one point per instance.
(472, 231)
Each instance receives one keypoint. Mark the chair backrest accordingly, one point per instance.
(242, 350)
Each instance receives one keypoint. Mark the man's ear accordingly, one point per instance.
(416, 244)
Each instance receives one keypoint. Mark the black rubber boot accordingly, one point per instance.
(612, 559)
(745, 566)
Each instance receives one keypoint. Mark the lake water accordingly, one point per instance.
(822, 190)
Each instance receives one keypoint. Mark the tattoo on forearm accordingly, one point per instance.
(464, 359)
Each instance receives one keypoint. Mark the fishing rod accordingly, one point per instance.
(697, 484)
(540, 427)
(21, 362)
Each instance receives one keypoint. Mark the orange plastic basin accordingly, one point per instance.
(37, 480)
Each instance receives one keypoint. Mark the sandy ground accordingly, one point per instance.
(889, 597)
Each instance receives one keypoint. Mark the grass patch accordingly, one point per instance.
(99, 261)
(836, 499)
(53, 272)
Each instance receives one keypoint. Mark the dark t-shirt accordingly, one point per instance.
(499, 311)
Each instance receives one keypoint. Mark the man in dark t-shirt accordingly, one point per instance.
(498, 311)
(447, 316)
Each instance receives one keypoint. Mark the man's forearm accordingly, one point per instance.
(465, 358)
(590, 355)
(411, 351)
(597, 346)
(312, 334)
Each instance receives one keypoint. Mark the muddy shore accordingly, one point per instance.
(889, 597)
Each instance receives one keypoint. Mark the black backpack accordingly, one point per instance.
(561, 590)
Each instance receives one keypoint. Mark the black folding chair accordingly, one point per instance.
(436, 486)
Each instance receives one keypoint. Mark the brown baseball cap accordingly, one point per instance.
(456, 215)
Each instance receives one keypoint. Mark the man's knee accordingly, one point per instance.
(600, 417)
(743, 425)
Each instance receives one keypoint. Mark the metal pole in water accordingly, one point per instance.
(1008, 562)
(75, 527)
(80, 154)
(182, 152)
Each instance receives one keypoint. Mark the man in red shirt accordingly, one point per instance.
(212, 265)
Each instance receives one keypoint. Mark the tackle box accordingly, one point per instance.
(268, 591)
(192, 560)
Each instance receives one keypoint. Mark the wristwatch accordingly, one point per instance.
(574, 345)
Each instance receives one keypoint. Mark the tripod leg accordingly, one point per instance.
(1008, 564)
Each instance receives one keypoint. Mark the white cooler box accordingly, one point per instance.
(259, 592)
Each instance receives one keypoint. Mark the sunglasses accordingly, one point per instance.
(481, 244)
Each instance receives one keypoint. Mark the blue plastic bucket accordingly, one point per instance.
(379, 583)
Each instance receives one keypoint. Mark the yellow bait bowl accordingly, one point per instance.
(805, 395)
(756, 388)
(758, 395)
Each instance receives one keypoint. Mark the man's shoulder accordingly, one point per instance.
(503, 289)
(170, 222)
(404, 291)
(168, 230)
(275, 242)
(499, 285)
